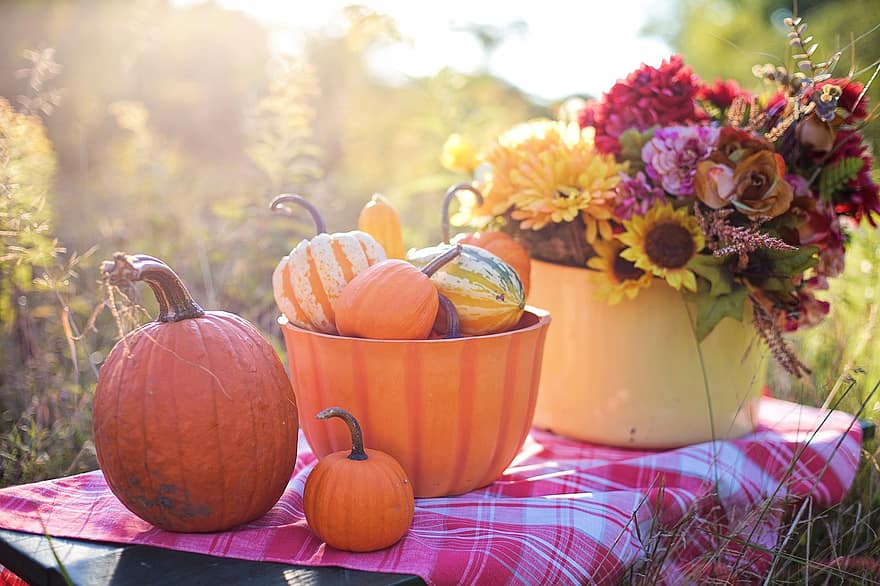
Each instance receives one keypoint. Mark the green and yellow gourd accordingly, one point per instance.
(485, 290)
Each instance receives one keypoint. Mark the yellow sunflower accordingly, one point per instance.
(616, 276)
(662, 242)
(549, 172)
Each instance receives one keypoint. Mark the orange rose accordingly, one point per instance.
(713, 184)
(760, 187)
(735, 145)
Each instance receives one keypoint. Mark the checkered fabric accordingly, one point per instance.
(563, 512)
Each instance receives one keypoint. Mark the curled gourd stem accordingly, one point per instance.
(357, 437)
(441, 260)
(453, 324)
(277, 205)
(175, 302)
(447, 199)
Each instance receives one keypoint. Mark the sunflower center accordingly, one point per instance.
(669, 245)
(625, 270)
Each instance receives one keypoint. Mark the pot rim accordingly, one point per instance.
(542, 316)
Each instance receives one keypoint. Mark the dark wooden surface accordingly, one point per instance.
(96, 564)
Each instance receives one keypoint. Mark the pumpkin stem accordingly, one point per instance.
(450, 194)
(453, 324)
(175, 302)
(357, 437)
(441, 260)
(277, 205)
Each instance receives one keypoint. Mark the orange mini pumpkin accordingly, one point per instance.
(360, 500)
(498, 243)
(307, 282)
(195, 421)
(391, 300)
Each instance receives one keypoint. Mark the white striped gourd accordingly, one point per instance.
(485, 290)
(307, 282)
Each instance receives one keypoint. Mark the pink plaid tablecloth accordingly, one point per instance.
(563, 512)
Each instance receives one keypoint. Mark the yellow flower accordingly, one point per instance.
(549, 171)
(459, 154)
(662, 242)
(616, 276)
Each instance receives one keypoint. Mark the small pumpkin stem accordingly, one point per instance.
(357, 437)
(441, 260)
(450, 194)
(175, 302)
(277, 205)
(453, 324)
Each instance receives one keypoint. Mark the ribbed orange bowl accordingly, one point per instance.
(454, 413)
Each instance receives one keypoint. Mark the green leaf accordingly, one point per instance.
(791, 262)
(781, 285)
(714, 269)
(836, 175)
(711, 310)
(631, 143)
(23, 277)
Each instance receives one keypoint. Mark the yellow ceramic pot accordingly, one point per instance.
(454, 413)
(631, 374)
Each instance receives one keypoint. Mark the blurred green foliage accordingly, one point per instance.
(162, 129)
(149, 127)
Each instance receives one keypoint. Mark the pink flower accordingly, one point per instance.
(820, 226)
(671, 156)
(714, 184)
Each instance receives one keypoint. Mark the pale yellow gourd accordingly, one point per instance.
(380, 220)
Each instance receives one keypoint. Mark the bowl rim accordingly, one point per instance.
(543, 319)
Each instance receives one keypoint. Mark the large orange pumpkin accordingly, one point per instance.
(360, 500)
(195, 421)
(498, 243)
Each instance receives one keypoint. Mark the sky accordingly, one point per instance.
(569, 47)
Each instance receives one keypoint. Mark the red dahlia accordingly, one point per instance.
(722, 93)
(649, 96)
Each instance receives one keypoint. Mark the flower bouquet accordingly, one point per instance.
(730, 205)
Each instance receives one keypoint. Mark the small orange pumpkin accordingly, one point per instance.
(358, 501)
(391, 300)
(380, 220)
(307, 282)
(195, 421)
(498, 243)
